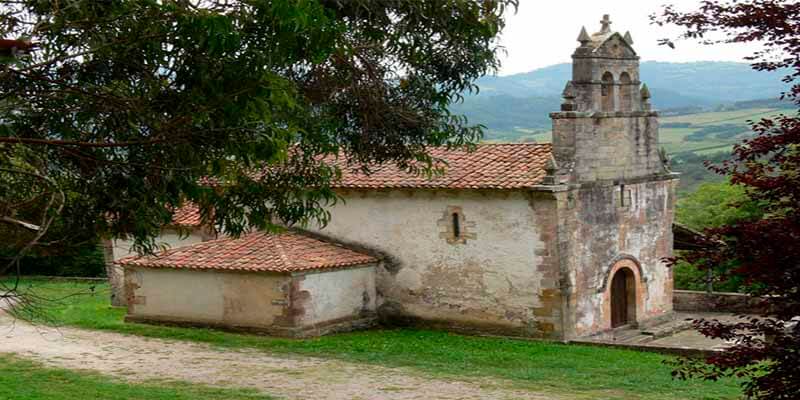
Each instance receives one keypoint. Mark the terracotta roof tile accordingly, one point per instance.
(188, 215)
(257, 252)
(489, 166)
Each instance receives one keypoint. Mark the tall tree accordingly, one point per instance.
(123, 110)
(766, 352)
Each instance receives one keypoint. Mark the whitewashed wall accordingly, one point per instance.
(491, 279)
(209, 297)
(336, 295)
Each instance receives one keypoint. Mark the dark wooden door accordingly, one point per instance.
(619, 300)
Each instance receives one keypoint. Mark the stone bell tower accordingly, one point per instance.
(614, 193)
(606, 129)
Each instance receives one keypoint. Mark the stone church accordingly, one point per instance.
(555, 241)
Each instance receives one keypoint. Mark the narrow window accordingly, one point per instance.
(625, 198)
(456, 226)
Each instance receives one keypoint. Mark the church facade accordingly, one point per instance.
(553, 241)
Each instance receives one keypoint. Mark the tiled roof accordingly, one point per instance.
(187, 215)
(258, 252)
(489, 166)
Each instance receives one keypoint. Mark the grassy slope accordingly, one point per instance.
(580, 371)
(25, 380)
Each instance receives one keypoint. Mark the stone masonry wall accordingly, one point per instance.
(603, 146)
(610, 227)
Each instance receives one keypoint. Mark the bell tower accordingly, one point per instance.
(606, 130)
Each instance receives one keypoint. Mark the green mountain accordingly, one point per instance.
(523, 101)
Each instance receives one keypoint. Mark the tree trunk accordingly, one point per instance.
(115, 274)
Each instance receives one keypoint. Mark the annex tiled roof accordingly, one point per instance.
(187, 215)
(258, 252)
(489, 166)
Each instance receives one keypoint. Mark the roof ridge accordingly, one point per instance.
(285, 260)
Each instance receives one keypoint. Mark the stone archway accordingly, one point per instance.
(623, 298)
(624, 291)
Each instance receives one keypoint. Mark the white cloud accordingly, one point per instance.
(544, 32)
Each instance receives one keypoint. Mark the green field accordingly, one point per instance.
(580, 372)
(732, 124)
(673, 139)
(712, 118)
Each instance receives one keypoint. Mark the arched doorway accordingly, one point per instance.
(623, 298)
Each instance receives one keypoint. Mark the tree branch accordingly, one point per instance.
(54, 142)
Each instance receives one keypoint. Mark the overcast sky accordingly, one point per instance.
(544, 32)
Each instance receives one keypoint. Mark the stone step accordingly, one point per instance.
(641, 335)
(667, 329)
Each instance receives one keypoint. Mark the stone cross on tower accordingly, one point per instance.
(606, 21)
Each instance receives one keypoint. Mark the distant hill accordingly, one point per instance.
(523, 101)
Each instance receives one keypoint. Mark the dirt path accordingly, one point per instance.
(136, 358)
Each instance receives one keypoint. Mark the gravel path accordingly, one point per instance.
(136, 358)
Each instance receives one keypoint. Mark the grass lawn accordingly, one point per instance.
(25, 380)
(578, 371)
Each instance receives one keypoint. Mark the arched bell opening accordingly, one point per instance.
(625, 92)
(607, 92)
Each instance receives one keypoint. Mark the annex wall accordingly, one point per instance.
(230, 299)
(119, 248)
(326, 298)
(485, 276)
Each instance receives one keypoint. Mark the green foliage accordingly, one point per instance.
(26, 380)
(693, 170)
(127, 109)
(579, 371)
(689, 277)
(716, 204)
